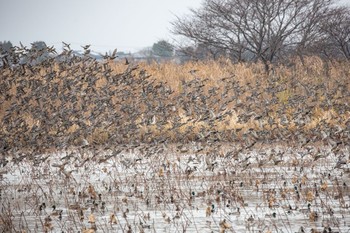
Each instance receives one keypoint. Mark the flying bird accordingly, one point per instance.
(86, 47)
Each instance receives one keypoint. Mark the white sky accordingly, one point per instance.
(128, 25)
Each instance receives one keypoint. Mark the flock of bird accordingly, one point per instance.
(67, 99)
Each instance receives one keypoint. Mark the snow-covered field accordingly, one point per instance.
(187, 188)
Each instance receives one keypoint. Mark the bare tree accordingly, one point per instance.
(205, 28)
(336, 30)
(254, 30)
(310, 34)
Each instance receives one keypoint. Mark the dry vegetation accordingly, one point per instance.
(185, 188)
(58, 104)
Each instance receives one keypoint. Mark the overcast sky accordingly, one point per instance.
(128, 25)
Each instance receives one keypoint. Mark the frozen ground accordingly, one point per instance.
(177, 189)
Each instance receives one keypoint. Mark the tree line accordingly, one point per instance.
(266, 30)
